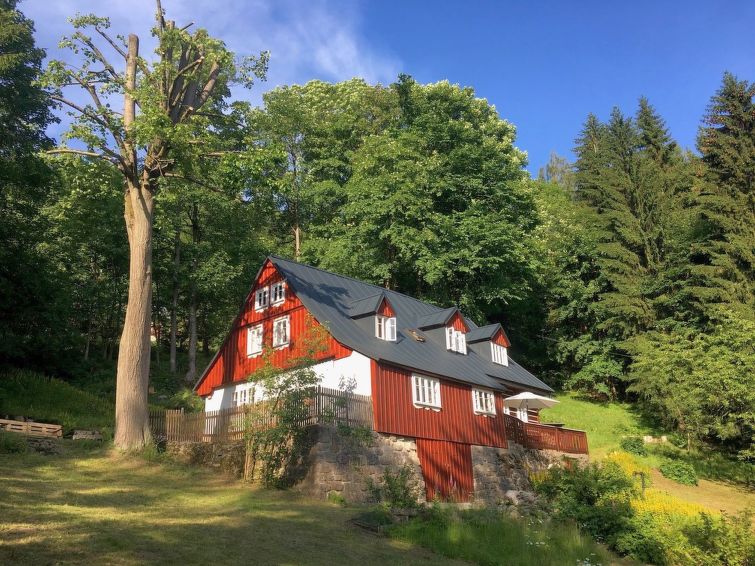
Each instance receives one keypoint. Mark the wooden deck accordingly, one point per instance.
(545, 437)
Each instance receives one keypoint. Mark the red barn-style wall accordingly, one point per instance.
(446, 469)
(231, 364)
(457, 321)
(395, 413)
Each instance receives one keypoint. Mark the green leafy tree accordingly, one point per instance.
(179, 96)
(437, 205)
(700, 383)
(33, 308)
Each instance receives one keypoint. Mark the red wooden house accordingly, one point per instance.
(433, 375)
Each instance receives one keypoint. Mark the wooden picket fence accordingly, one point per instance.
(545, 437)
(324, 406)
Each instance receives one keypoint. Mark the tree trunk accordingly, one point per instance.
(297, 242)
(174, 301)
(132, 382)
(191, 372)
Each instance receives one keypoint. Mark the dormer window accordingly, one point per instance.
(455, 340)
(277, 293)
(385, 327)
(261, 298)
(500, 354)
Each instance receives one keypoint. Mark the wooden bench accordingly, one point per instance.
(31, 428)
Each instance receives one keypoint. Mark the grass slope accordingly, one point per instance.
(486, 537)
(726, 485)
(99, 507)
(32, 395)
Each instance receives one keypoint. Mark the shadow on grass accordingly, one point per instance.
(106, 508)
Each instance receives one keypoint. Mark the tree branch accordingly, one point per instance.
(111, 41)
(78, 152)
(99, 55)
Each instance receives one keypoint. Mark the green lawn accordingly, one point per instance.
(99, 507)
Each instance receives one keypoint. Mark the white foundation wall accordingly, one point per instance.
(335, 374)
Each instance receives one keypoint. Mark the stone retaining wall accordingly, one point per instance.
(498, 471)
(344, 464)
(226, 457)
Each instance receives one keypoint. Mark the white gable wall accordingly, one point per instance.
(334, 374)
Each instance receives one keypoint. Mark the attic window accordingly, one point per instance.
(261, 298)
(278, 293)
(281, 334)
(500, 354)
(385, 327)
(455, 340)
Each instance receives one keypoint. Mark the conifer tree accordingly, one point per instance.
(723, 257)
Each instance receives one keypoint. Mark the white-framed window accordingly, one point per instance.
(277, 293)
(426, 392)
(254, 336)
(385, 327)
(281, 332)
(500, 354)
(521, 414)
(262, 298)
(456, 340)
(483, 402)
(242, 397)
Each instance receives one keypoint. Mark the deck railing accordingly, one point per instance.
(324, 406)
(545, 437)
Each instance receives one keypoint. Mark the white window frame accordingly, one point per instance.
(262, 298)
(520, 414)
(426, 392)
(456, 340)
(252, 349)
(500, 354)
(385, 327)
(276, 323)
(483, 402)
(277, 293)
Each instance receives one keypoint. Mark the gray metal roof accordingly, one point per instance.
(482, 333)
(330, 298)
(439, 318)
(368, 305)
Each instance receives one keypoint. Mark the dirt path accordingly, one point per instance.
(716, 496)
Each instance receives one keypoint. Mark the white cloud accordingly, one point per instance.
(317, 39)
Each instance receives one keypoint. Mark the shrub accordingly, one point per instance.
(680, 472)
(722, 540)
(398, 490)
(632, 468)
(634, 445)
(597, 497)
(11, 443)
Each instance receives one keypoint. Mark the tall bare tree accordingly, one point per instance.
(169, 106)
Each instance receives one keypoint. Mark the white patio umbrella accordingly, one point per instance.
(527, 400)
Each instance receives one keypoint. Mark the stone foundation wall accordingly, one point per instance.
(500, 471)
(225, 457)
(342, 464)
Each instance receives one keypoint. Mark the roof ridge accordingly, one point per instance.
(383, 289)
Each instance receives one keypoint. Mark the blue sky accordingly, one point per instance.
(545, 65)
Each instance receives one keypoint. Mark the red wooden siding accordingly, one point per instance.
(446, 468)
(457, 321)
(396, 414)
(386, 309)
(500, 338)
(232, 364)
